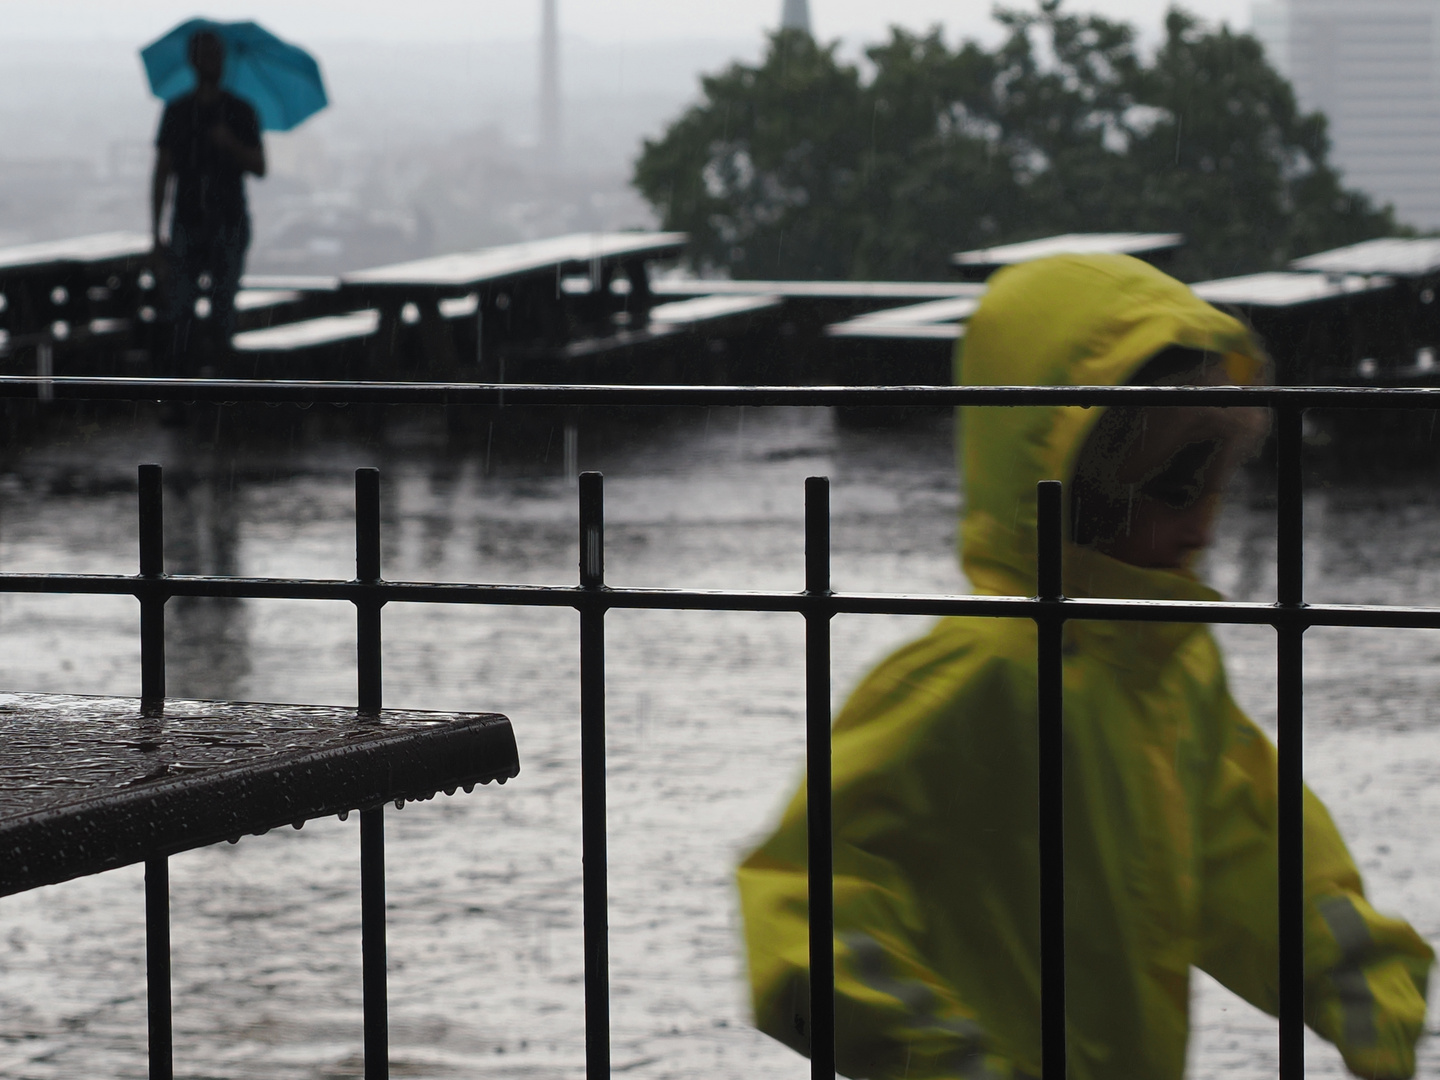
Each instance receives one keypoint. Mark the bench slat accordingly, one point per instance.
(92, 784)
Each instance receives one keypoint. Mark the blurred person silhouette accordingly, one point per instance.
(1170, 790)
(208, 140)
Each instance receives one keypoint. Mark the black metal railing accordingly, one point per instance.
(1289, 615)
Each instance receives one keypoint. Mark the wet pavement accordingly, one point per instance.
(705, 733)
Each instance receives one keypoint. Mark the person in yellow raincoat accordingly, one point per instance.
(1169, 796)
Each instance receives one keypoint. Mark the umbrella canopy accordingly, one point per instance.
(280, 81)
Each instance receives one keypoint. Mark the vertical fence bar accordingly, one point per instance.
(1050, 627)
(370, 690)
(157, 967)
(372, 943)
(818, 817)
(594, 841)
(152, 606)
(1290, 688)
(367, 570)
(152, 703)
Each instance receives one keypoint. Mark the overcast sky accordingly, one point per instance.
(597, 20)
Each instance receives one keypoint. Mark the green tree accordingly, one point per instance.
(801, 167)
(765, 173)
(1231, 161)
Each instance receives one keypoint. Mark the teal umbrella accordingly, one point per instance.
(280, 81)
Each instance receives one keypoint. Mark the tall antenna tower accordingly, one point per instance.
(795, 15)
(550, 82)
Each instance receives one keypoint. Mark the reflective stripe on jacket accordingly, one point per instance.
(1169, 795)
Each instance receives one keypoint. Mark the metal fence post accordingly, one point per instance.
(152, 605)
(1290, 730)
(372, 944)
(1050, 628)
(152, 703)
(818, 807)
(157, 967)
(368, 659)
(596, 887)
(372, 819)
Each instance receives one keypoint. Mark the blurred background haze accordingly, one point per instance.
(430, 144)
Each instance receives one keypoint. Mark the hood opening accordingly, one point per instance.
(1097, 320)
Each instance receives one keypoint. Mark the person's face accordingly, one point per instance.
(208, 59)
(1172, 474)
(1163, 537)
(1154, 496)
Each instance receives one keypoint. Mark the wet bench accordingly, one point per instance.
(94, 783)
(267, 300)
(330, 346)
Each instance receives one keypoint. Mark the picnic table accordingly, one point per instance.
(517, 299)
(979, 264)
(850, 297)
(97, 783)
(267, 300)
(70, 290)
(1319, 328)
(76, 291)
(1393, 256)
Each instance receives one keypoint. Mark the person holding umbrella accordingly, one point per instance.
(223, 83)
(208, 140)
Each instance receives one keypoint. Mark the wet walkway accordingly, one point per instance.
(706, 732)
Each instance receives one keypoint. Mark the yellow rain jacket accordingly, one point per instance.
(1169, 788)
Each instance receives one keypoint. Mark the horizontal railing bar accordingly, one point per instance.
(235, 391)
(840, 603)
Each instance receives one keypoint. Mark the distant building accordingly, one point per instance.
(795, 15)
(550, 83)
(1374, 69)
(1270, 22)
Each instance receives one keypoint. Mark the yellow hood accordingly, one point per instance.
(1071, 320)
